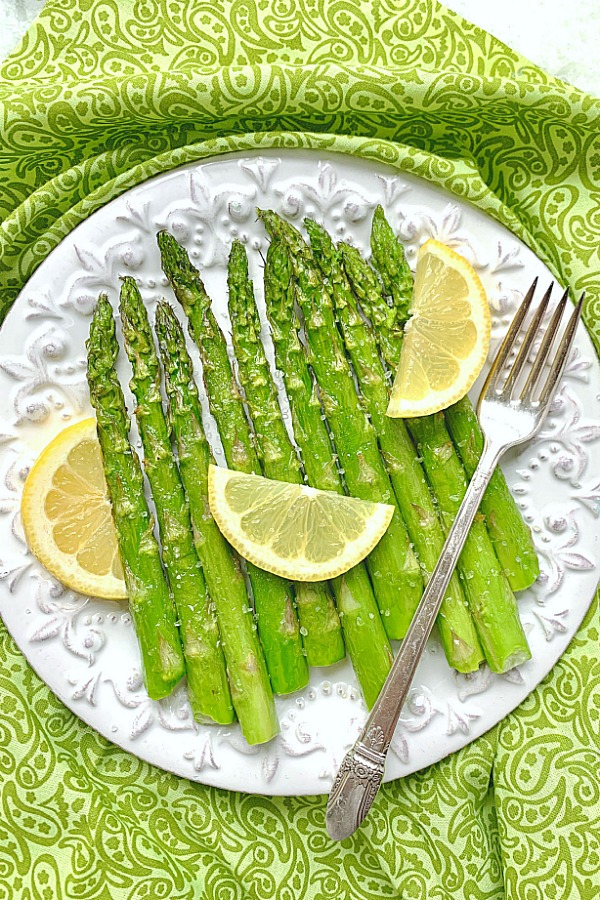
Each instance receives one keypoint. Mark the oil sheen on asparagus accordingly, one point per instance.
(208, 688)
(366, 640)
(150, 601)
(248, 677)
(393, 566)
(319, 622)
(273, 597)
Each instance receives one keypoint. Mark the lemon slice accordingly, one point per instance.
(447, 338)
(67, 517)
(293, 530)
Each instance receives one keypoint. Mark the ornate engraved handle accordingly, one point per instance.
(356, 784)
(361, 772)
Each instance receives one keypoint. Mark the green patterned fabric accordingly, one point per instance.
(102, 94)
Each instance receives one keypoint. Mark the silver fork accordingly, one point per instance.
(508, 416)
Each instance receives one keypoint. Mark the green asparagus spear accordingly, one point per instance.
(368, 289)
(208, 688)
(150, 602)
(491, 601)
(455, 624)
(319, 622)
(392, 564)
(248, 678)
(273, 597)
(366, 641)
(390, 261)
(510, 535)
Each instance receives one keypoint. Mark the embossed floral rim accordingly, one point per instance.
(460, 177)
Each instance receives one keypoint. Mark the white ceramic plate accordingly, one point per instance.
(85, 649)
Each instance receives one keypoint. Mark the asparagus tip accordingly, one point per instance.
(102, 322)
(134, 318)
(174, 258)
(237, 254)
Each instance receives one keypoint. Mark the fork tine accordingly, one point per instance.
(544, 350)
(523, 354)
(562, 355)
(509, 339)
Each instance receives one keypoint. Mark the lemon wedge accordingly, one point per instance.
(67, 517)
(447, 338)
(293, 530)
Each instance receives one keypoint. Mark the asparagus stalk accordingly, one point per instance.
(368, 289)
(366, 641)
(319, 622)
(491, 601)
(390, 261)
(511, 537)
(393, 567)
(273, 597)
(455, 623)
(150, 602)
(248, 678)
(208, 688)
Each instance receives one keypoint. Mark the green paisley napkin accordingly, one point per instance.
(100, 95)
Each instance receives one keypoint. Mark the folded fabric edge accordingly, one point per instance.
(459, 176)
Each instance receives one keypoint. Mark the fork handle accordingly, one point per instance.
(361, 772)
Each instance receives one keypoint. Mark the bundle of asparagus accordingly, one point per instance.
(455, 624)
(273, 597)
(154, 613)
(510, 535)
(393, 567)
(246, 667)
(319, 622)
(150, 601)
(366, 640)
(337, 386)
(488, 591)
(208, 688)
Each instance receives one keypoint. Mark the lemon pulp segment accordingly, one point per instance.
(67, 516)
(447, 338)
(293, 530)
